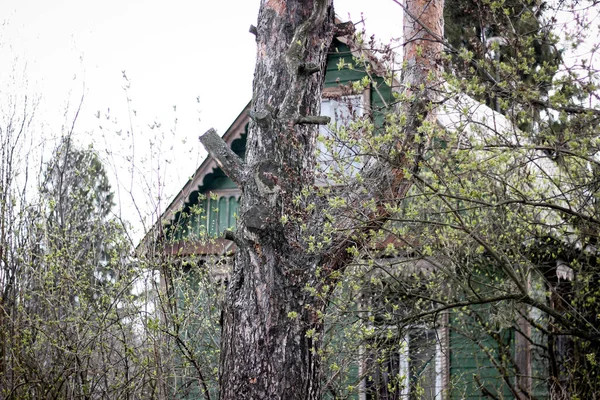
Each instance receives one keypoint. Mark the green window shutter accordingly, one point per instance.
(222, 215)
(212, 217)
(233, 211)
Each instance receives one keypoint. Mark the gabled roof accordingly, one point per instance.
(198, 180)
(188, 193)
(208, 166)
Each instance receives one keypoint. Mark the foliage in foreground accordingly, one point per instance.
(81, 317)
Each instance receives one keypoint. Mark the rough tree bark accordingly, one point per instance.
(266, 352)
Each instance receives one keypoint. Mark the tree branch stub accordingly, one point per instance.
(344, 29)
(309, 68)
(313, 120)
(227, 160)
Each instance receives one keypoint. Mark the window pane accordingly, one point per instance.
(223, 215)
(421, 364)
(385, 380)
(338, 150)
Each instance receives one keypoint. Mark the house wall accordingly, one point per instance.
(486, 352)
(473, 353)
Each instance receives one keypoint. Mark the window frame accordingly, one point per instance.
(338, 94)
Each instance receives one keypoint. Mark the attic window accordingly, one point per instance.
(338, 154)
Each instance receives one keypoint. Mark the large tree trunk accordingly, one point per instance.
(272, 324)
(265, 350)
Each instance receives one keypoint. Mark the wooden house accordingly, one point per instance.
(433, 362)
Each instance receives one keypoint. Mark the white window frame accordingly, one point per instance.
(333, 100)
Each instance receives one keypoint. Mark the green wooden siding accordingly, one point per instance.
(209, 216)
(483, 344)
(350, 71)
(473, 354)
(233, 211)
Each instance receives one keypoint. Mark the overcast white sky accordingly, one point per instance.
(172, 53)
